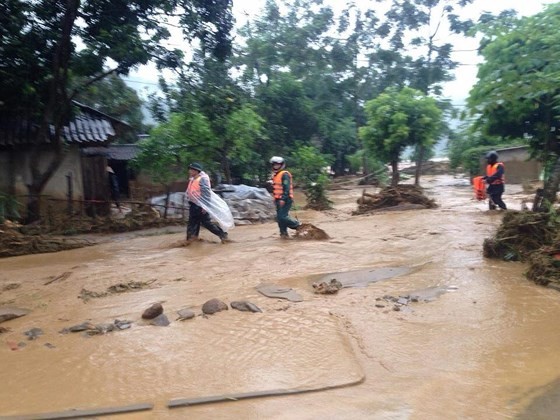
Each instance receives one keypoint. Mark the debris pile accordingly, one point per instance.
(401, 197)
(14, 243)
(529, 237)
(309, 231)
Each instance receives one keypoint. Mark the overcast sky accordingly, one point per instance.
(145, 79)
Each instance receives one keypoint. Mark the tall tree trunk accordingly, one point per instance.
(419, 160)
(227, 170)
(551, 185)
(395, 178)
(55, 113)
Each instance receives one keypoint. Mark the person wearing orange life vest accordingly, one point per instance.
(283, 193)
(199, 189)
(495, 178)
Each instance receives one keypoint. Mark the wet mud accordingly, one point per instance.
(472, 338)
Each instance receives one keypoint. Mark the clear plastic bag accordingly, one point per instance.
(217, 209)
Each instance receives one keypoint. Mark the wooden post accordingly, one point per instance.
(70, 193)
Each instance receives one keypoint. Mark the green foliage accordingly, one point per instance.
(467, 148)
(287, 111)
(50, 51)
(518, 89)
(374, 166)
(243, 143)
(114, 98)
(166, 154)
(309, 169)
(397, 119)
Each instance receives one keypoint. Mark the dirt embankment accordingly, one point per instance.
(54, 236)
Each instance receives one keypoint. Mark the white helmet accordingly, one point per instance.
(278, 160)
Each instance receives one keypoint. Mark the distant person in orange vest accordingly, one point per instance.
(495, 178)
(199, 191)
(283, 193)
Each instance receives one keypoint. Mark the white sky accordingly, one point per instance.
(144, 80)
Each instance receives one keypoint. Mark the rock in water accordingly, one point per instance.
(7, 313)
(245, 306)
(213, 306)
(185, 314)
(160, 321)
(153, 311)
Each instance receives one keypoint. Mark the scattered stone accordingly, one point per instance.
(50, 346)
(379, 305)
(122, 325)
(11, 286)
(245, 306)
(185, 314)
(153, 311)
(402, 301)
(396, 308)
(160, 321)
(8, 313)
(33, 333)
(4, 330)
(329, 288)
(82, 327)
(213, 306)
(131, 286)
(105, 328)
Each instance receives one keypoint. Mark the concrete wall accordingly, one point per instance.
(14, 169)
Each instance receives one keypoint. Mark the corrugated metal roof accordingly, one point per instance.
(87, 128)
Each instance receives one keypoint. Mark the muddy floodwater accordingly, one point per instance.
(478, 341)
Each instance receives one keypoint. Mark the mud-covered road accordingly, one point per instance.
(479, 342)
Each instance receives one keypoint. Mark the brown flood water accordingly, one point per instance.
(485, 346)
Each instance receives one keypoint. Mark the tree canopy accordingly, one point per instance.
(398, 119)
(517, 95)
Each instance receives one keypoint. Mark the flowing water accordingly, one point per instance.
(481, 342)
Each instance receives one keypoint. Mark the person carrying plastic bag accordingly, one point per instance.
(205, 205)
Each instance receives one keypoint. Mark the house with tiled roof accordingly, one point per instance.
(80, 176)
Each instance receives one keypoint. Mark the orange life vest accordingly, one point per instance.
(492, 169)
(278, 189)
(479, 188)
(193, 189)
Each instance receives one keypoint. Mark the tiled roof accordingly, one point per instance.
(89, 127)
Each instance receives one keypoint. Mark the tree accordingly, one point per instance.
(166, 154)
(45, 44)
(518, 91)
(397, 119)
(309, 168)
(424, 21)
(242, 140)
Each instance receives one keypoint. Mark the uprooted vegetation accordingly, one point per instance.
(401, 197)
(529, 237)
(14, 243)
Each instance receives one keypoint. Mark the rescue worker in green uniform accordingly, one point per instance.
(283, 193)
